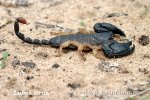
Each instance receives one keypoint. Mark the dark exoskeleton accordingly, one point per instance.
(104, 34)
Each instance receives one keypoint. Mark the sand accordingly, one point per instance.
(71, 78)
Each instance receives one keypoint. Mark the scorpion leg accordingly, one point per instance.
(81, 47)
(98, 54)
(96, 50)
(74, 43)
(80, 51)
(63, 45)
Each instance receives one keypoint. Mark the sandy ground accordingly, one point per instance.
(74, 79)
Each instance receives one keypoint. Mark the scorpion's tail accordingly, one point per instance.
(27, 39)
(105, 27)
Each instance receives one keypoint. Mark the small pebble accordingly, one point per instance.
(55, 65)
(143, 70)
(144, 40)
(147, 56)
(108, 67)
(26, 70)
(74, 85)
(29, 77)
(29, 64)
(71, 95)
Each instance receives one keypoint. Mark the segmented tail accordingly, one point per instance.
(27, 39)
(105, 27)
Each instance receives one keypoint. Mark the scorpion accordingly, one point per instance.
(101, 40)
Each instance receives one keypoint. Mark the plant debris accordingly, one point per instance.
(56, 28)
(115, 15)
(3, 59)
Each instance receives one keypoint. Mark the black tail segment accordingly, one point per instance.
(105, 27)
(27, 39)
